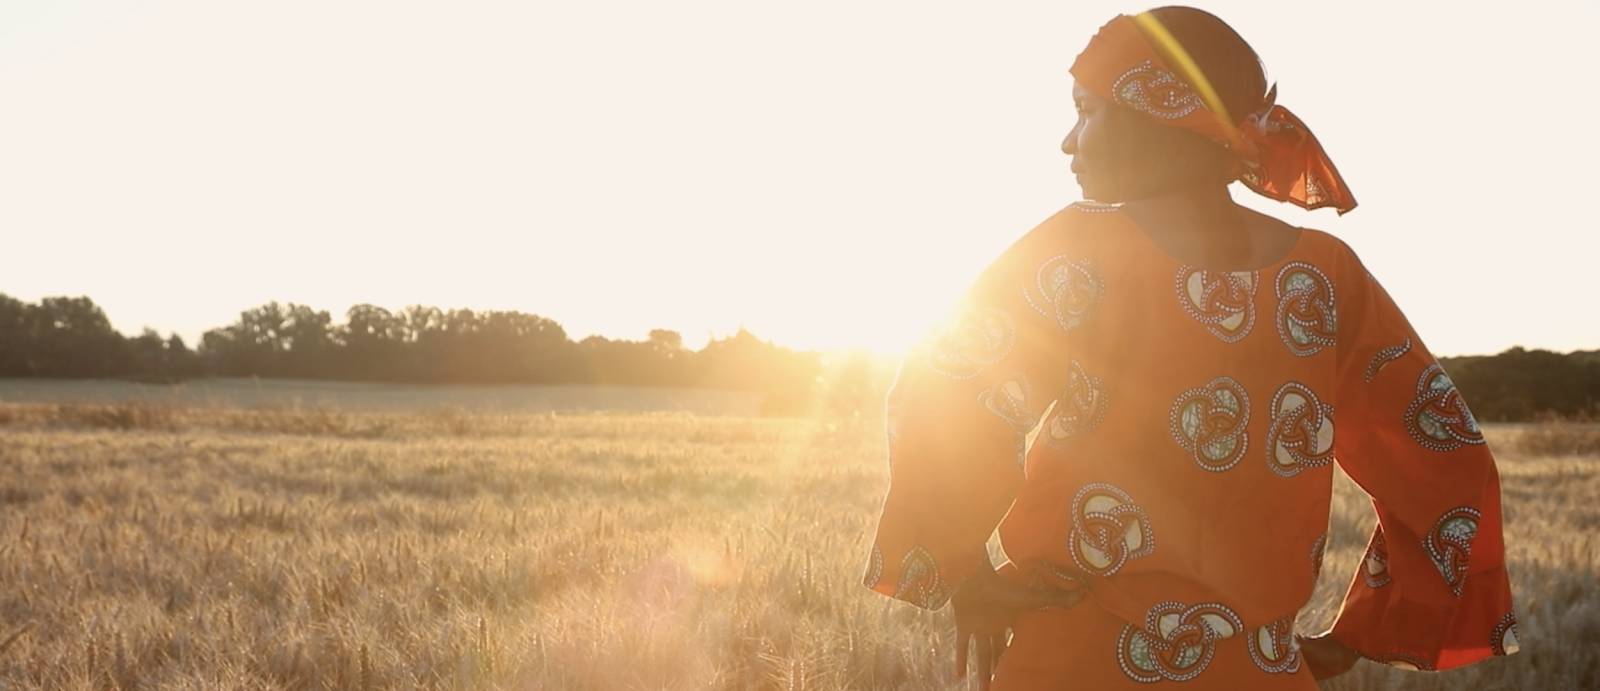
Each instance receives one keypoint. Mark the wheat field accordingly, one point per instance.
(149, 546)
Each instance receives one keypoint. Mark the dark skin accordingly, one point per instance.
(985, 607)
(1173, 184)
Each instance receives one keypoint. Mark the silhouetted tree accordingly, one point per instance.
(1521, 384)
(742, 361)
(251, 346)
(308, 343)
(181, 361)
(274, 340)
(375, 345)
(158, 359)
(661, 360)
(15, 340)
(671, 359)
(72, 338)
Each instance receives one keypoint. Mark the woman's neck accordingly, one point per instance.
(1203, 227)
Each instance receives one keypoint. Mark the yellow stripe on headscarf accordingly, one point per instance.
(1158, 36)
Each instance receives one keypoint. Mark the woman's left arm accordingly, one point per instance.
(1432, 592)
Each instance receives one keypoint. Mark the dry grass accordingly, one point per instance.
(149, 415)
(1556, 436)
(172, 547)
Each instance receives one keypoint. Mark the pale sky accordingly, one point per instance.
(826, 173)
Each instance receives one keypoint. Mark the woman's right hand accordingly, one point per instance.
(1326, 656)
(985, 607)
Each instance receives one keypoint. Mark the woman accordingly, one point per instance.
(1185, 362)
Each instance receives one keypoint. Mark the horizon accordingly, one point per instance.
(340, 318)
(828, 176)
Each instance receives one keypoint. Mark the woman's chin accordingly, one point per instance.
(1092, 192)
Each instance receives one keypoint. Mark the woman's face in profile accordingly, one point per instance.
(1099, 160)
(1119, 155)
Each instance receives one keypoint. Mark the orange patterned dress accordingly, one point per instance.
(1183, 464)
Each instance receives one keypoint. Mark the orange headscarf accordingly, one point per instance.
(1281, 158)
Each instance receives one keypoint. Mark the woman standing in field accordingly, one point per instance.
(1185, 361)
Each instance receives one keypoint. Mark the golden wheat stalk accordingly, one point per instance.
(14, 636)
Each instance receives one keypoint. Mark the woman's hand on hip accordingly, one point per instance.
(985, 607)
(1326, 656)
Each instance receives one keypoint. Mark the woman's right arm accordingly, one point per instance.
(959, 411)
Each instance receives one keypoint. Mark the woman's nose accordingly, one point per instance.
(1069, 145)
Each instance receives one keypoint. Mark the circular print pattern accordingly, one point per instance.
(1154, 91)
(1079, 408)
(1307, 318)
(1011, 399)
(1176, 643)
(1273, 647)
(1375, 565)
(1066, 291)
(1301, 435)
(1504, 638)
(1209, 423)
(920, 583)
(874, 567)
(1223, 301)
(1383, 357)
(1438, 419)
(973, 339)
(1449, 544)
(1108, 529)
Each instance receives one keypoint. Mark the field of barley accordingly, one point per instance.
(165, 546)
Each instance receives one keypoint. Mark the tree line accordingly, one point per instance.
(71, 338)
(1520, 385)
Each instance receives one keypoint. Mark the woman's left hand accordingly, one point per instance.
(985, 606)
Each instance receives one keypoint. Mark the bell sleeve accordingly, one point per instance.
(1432, 591)
(958, 414)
